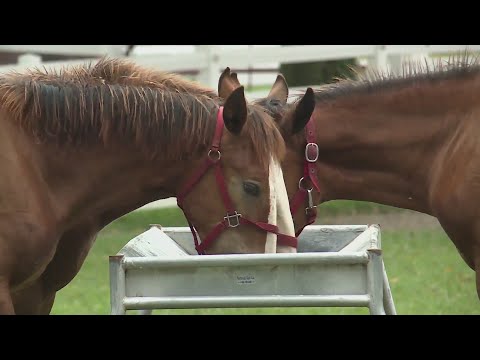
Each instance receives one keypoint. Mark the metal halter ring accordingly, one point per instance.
(210, 152)
(301, 187)
(237, 216)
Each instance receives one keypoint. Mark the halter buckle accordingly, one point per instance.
(236, 216)
(311, 152)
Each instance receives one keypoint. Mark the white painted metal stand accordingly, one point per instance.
(337, 266)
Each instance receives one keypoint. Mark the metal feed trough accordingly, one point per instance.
(336, 266)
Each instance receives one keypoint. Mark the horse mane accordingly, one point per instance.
(158, 111)
(460, 66)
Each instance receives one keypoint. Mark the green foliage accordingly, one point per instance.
(316, 73)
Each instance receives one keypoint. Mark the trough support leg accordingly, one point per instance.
(387, 294)
(145, 312)
(117, 285)
(375, 281)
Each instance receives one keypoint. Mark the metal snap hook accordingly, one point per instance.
(310, 201)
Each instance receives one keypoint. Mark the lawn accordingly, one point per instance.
(427, 275)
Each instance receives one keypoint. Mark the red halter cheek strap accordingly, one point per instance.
(232, 219)
(309, 174)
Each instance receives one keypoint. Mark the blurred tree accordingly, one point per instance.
(316, 73)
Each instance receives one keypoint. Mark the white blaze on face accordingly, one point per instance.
(279, 209)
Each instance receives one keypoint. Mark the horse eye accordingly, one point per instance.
(251, 188)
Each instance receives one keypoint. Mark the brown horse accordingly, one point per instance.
(408, 141)
(83, 146)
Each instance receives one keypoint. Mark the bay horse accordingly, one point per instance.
(408, 140)
(82, 146)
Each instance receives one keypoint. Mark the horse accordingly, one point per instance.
(85, 145)
(407, 140)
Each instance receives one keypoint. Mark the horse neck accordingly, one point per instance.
(386, 148)
(103, 184)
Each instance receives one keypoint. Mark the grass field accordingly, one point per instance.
(426, 273)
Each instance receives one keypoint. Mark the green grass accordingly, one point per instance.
(426, 273)
(347, 207)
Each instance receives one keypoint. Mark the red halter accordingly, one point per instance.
(309, 173)
(233, 218)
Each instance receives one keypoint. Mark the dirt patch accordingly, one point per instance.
(402, 220)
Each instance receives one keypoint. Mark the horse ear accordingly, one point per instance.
(227, 83)
(302, 113)
(235, 111)
(279, 90)
(234, 78)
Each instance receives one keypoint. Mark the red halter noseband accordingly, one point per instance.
(309, 173)
(232, 218)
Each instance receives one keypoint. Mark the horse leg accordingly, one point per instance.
(477, 274)
(6, 304)
(476, 254)
(472, 254)
(466, 238)
(72, 250)
(47, 304)
(34, 299)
